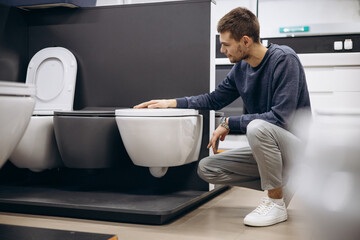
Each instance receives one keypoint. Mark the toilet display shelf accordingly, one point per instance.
(155, 209)
(104, 194)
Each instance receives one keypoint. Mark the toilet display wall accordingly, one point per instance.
(53, 72)
(122, 61)
(111, 76)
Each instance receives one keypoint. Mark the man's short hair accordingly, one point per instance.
(240, 22)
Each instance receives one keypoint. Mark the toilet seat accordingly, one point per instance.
(53, 71)
(87, 113)
(165, 112)
(16, 89)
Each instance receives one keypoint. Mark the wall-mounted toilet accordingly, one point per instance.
(16, 106)
(53, 71)
(89, 139)
(160, 138)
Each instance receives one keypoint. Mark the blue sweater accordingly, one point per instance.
(272, 91)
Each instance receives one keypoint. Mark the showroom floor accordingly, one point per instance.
(220, 218)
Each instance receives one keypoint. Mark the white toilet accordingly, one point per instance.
(53, 72)
(16, 106)
(160, 138)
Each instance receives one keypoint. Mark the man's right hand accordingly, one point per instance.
(219, 134)
(160, 103)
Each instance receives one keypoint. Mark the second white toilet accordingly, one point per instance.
(16, 105)
(160, 138)
(53, 72)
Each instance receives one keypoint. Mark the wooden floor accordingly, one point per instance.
(220, 218)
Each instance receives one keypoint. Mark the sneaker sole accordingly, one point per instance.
(266, 223)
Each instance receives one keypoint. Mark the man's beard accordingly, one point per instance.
(241, 57)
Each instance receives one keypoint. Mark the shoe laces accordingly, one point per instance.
(265, 206)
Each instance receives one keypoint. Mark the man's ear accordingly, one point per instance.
(247, 41)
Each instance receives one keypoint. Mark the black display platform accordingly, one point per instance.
(9, 232)
(101, 205)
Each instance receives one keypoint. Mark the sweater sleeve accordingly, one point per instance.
(223, 95)
(285, 93)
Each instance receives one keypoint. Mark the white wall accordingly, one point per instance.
(274, 14)
(224, 6)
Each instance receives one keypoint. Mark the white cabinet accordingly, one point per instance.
(333, 80)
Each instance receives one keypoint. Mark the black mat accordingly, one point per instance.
(108, 206)
(9, 232)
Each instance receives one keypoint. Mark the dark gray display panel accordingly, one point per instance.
(13, 45)
(130, 53)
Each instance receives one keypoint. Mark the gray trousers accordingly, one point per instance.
(268, 157)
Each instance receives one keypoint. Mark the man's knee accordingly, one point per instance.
(203, 169)
(260, 133)
(256, 128)
(207, 171)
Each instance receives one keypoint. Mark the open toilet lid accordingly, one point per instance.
(146, 112)
(53, 71)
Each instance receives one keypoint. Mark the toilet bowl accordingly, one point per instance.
(16, 106)
(89, 139)
(160, 138)
(53, 72)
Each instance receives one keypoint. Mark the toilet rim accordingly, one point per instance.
(164, 112)
(16, 89)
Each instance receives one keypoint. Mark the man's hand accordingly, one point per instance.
(221, 133)
(160, 103)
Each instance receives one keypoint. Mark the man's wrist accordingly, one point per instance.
(225, 123)
(172, 103)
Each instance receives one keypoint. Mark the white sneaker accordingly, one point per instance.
(267, 213)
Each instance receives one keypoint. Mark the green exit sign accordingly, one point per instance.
(294, 29)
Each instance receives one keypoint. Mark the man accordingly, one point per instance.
(271, 82)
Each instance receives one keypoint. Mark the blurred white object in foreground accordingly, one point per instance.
(327, 173)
